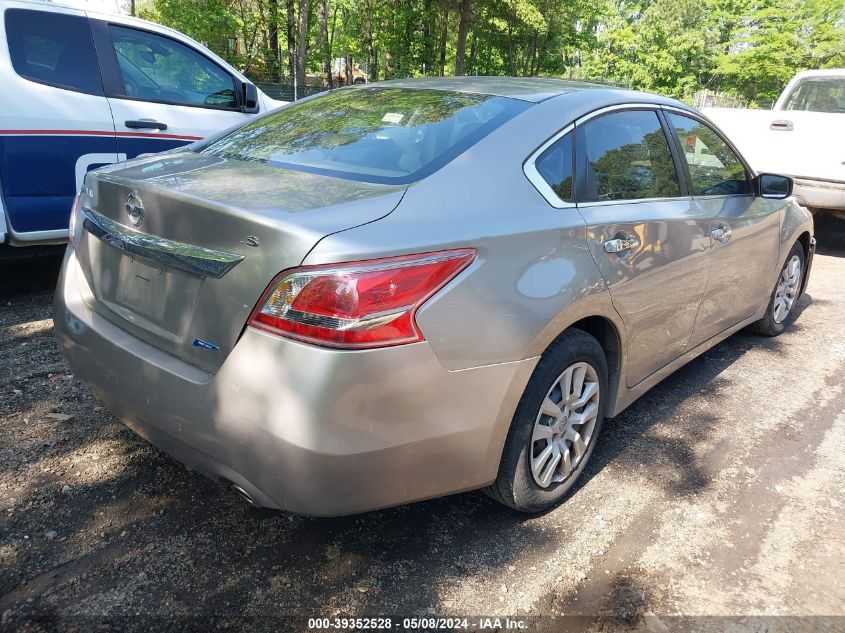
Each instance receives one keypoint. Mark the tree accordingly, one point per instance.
(463, 29)
(323, 43)
(675, 47)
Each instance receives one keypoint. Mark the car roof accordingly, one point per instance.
(532, 89)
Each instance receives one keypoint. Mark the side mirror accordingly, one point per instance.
(249, 97)
(773, 186)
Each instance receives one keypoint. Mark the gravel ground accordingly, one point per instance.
(719, 493)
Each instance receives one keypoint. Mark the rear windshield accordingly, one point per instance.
(382, 135)
(818, 95)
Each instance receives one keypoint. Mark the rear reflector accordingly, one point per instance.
(360, 304)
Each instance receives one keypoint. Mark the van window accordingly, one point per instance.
(628, 158)
(372, 134)
(53, 48)
(156, 68)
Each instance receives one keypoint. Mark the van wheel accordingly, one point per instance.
(780, 311)
(555, 427)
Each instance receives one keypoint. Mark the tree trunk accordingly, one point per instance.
(463, 29)
(510, 50)
(291, 37)
(528, 67)
(302, 48)
(348, 64)
(444, 36)
(472, 48)
(406, 57)
(273, 41)
(324, 44)
(429, 35)
(372, 63)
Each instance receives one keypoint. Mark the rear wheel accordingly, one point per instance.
(555, 426)
(780, 311)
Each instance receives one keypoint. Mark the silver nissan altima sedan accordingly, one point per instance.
(399, 291)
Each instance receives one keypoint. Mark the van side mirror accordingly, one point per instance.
(773, 186)
(249, 97)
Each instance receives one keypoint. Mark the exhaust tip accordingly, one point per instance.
(245, 495)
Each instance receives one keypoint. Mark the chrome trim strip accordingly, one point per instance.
(196, 260)
(530, 170)
(605, 203)
(614, 108)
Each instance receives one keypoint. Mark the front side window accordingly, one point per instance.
(714, 167)
(381, 135)
(628, 158)
(54, 49)
(818, 94)
(555, 166)
(156, 68)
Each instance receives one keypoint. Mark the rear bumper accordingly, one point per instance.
(298, 427)
(819, 194)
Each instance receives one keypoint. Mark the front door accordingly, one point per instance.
(162, 92)
(745, 229)
(649, 239)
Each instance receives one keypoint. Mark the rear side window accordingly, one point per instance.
(555, 167)
(713, 166)
(628, 158)
(156, 68)
(381, 135)
(54, 49)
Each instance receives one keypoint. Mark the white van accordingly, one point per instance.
(82, 89)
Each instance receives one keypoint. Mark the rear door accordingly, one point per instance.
(163, 93)
(648, 237)
(55, 122)
(745, 229)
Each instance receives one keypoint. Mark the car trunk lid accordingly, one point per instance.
(179, 248)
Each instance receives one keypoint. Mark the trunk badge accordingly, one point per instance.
(135, 209)
(252, 240)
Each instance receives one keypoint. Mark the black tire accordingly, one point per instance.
(515, 485)
(768, 326)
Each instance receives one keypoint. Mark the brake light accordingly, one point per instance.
(75, 225)
(360, 304)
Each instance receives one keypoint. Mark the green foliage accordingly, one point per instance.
(746, 47)
(779, 38)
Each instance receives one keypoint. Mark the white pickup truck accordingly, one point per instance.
(803, 136)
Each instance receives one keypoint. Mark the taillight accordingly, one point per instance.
(75, 226)
(360, 304)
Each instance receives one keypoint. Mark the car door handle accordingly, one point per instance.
(722, 233)
(145, 124)
(621, 244)
(781, 125)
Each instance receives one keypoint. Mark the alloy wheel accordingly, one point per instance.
(787, 289)
(564, 426)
